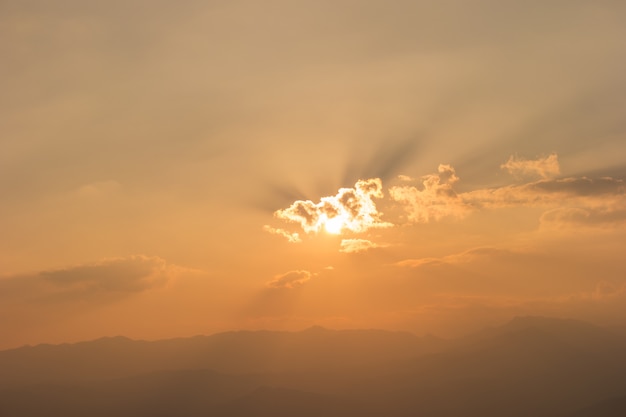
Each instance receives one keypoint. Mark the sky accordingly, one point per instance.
(178, 168)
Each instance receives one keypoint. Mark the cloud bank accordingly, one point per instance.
(567, 200)
(107, 278)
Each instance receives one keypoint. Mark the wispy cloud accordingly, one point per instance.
(132, 274)
(292, 237)
(574, 216)
(566, 200)
(454, 259)
(582, 186)
(291, 279)
(358, 245)
(97, 189)
(547, 167)
(104, 279)
(559, 192)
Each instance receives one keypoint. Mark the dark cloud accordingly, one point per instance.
(610, 171)
(574, 216)
(579, 186)
(106, 279)
(133, 274)
(561, 192)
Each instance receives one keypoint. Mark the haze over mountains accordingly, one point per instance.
(529, 366)
(175, 168)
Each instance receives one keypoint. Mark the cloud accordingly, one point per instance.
(574, 216)
(561, 216)
(108, 278)
(454, 259)
(350, 209)
(563, 192)
(547, 167)
(579, 186)
(291, 237)
(435, 198)
(589, 200)
(290, 279)
(97, 189)
(567, 201)
(357, 245)
(133, 274)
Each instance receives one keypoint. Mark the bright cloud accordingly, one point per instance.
(357, 245)
(291, 237)
(351, 209)
(435, 198)
(567, 201)
(547, 167)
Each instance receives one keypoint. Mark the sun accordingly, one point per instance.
(335, 225)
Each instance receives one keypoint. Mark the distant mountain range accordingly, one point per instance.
(531, 366)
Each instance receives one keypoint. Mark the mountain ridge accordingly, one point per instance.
(528, 366)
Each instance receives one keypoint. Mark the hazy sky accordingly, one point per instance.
(174, 168)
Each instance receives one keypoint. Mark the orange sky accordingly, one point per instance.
(175, 168)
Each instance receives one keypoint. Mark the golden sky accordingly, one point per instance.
(175, 168)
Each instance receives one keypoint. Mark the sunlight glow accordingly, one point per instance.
(351, 209)
(335, 225)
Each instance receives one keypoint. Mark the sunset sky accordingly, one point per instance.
(171, 168)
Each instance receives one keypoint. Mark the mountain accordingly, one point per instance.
(535, 366)
(163, 393)
(574, 333)
(282, 402)
(611, 407)
(173, 393)
(315, 349)
(543, 366)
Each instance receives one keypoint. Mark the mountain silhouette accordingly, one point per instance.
(612, 407)
(314, 349)
(529, 366)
